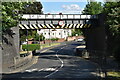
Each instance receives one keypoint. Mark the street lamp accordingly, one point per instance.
(88, 1)
(61, 33)
(39, 40)
(49, 37)
(27, 41)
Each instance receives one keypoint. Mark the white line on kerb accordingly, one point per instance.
(60, 66)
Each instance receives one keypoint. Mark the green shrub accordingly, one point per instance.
(31, 47)
(54, 39)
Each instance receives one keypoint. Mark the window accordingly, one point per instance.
(64, 32)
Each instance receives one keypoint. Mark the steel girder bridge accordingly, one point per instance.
(56, 21)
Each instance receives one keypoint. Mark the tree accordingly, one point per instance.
(113, 26)
(11, 10)
(42, 37)
(10, 15)
(38, 37)
(77, 31)
(93, 8)
(35, 8)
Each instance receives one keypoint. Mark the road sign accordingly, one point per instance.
(61, 23)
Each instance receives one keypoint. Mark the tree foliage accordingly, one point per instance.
(10, 15)
(93, 8)
(112, 10)
(31, 34)
(77, 31)
(11, 12)
(35, 8)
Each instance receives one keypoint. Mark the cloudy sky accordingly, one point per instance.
(63, 6)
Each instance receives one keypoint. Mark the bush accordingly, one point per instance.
(37, 37)
(54, 39)
(31, 47)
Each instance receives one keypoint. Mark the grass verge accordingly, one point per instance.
(114, 75)
(32, 47)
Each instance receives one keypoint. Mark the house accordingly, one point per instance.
(55, 33)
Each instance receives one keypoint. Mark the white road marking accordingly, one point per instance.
(31, 70)
(40, 69)
(62, 64)
(43, 69)
(50, 69)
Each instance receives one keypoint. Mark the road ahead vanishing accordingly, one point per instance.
(60, 62)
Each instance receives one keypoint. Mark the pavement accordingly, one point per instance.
(23, 67)
(32, 62)
(59, 62)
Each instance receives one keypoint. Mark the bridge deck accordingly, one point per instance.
(57, 16)
(52, 21)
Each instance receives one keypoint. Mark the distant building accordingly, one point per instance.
(55, 33)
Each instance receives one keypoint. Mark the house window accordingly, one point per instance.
(53, 33)
(64, 32)
(59, 33)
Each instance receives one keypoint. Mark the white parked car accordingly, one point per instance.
(24, 43)
(80, 39)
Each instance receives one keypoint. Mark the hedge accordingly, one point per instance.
(31, 47)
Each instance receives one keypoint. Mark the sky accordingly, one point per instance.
(63, 6)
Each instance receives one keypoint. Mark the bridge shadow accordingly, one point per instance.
(68, 72)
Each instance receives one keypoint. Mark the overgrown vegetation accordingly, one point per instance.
(93, 8)
(11, 12)
(112, 11)
(114, 75)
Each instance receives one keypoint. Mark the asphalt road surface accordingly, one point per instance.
(60, 62)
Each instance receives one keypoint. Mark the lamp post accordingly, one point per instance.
(88, 1)
(49, 37)
(27, 41)
(39, 40)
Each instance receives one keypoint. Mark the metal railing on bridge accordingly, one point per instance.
(57, 16)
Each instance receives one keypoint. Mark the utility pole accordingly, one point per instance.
(49, 37)
(27, 41)
(88, 1)
(39, 39)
